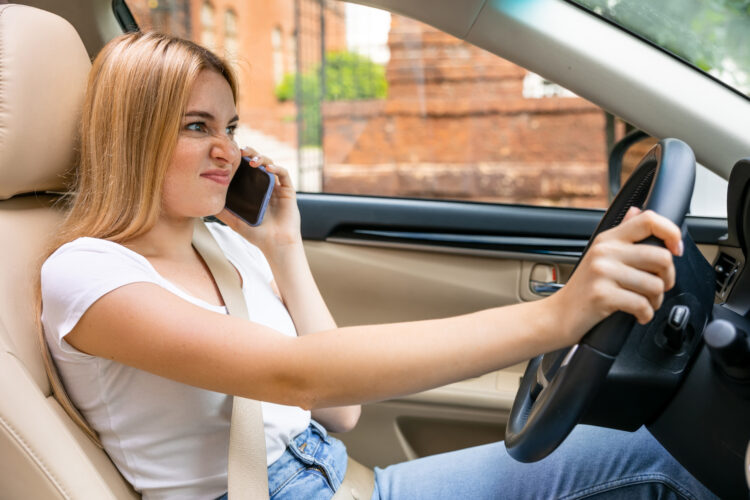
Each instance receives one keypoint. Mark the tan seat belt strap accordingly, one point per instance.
(247, 469)
(358, 483)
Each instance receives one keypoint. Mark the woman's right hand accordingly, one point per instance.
(618, 273)
(281, 223)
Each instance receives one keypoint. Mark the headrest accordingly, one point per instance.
(43, 72)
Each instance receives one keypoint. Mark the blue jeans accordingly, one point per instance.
(592, 463)
(312, 467)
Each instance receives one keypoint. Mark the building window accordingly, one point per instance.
(231, 45)
(277, 48)
(536, 87)
(207, 26)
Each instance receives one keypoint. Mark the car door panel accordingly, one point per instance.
(379, 260)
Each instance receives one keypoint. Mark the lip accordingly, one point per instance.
(218, 175)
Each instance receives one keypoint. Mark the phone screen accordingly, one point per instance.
(249, 192)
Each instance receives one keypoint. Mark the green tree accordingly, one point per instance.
(348, 76)
(713, 35)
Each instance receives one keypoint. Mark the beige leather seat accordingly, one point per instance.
(43, 70)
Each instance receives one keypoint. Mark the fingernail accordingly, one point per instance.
(256, 158)
(680, 249)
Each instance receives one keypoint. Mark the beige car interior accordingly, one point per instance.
(44, 69)
(43, 454)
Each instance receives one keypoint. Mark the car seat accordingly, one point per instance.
(43, 71)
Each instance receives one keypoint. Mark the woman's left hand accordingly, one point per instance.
(281, 223)
(619, 273)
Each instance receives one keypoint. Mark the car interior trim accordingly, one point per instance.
(328, 216)
(124, 17)
(654, 45)
(570, 257)
(486, 244)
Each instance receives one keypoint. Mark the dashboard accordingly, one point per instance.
(712, 404)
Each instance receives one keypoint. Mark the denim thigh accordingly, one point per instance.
(592, 463)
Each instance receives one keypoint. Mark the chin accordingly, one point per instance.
(211, 208)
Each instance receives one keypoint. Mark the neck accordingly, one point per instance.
(170, 238)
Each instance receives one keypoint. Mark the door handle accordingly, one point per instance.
(543, 279)
(544, 287)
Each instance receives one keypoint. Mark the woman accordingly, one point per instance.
(139, 333)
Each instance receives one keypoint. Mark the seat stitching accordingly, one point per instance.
(39, 462)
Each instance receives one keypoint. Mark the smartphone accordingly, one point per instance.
(249, 192)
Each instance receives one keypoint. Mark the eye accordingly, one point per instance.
(230, 130)
(196, 126)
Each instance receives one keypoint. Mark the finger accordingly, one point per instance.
(285, 179)
(649, 223)
(632, 212)
(249, 152)
(259, 160)
(648, 258)
(645, 284)
(633, 303)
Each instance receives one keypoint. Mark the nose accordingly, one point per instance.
(224, 150)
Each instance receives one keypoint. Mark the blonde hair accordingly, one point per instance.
(137, 92)
(136, 95)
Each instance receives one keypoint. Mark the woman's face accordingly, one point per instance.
(205, 156)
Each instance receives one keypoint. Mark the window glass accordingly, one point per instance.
(355, 100)
(709, 193)
(712, 35)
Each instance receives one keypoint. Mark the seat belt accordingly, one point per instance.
(247, 463)
(358, 483)
(247, 469)
(247, 472)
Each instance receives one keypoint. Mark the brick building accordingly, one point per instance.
(459, 122)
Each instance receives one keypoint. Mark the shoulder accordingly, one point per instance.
(86, 268)
(95, 255)
(80, 272)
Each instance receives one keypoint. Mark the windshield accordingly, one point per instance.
(713, 35)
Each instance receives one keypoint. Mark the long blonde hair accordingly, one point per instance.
(136, 96)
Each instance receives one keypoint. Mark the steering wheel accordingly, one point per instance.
(558, 387)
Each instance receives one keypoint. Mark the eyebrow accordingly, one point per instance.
(208, 116)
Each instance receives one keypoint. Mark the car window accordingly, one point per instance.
(713, 36)
(355, 100)
(709, 193)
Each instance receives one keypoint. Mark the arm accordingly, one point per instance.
(145, 326)
(281, 242)
(310, 314)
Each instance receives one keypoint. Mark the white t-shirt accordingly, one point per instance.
(169, 440)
